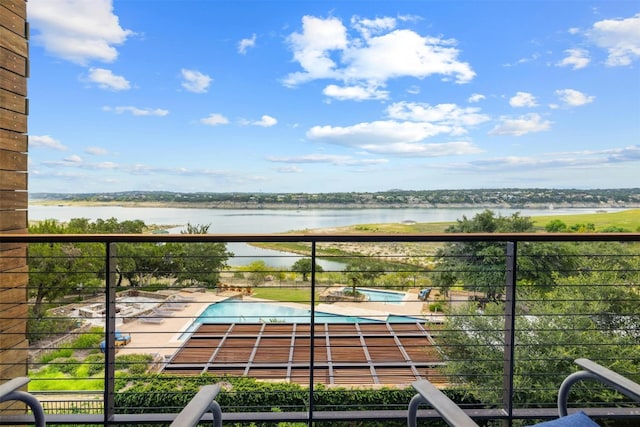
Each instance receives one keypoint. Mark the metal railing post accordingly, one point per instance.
(110, 332)
(509, 331)
(312, 329)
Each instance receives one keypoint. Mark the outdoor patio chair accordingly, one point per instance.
(161, 313)
(9, 391)
(203, 402)
(151, 319)
(180, 298)
(456, 417)
(173, 306)
(122, 339)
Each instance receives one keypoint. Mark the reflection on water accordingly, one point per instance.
(246, 254)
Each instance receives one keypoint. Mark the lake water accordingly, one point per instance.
(266, 221)
(257, 221)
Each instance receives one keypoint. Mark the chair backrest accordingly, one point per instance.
(456, 417)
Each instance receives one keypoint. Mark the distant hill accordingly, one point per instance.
(503, 198)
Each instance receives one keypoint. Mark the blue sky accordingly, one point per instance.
(333, 96)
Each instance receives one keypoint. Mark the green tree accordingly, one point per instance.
(592, 313)
(57, 269)
(139, 263)
(583, 228)
(361, 273)
(303, 266)
(556, 226)
(550, 333)
(258, 272)
(480, 265)
(199, 263)
(108, 226)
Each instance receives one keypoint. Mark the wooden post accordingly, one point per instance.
(13, 188)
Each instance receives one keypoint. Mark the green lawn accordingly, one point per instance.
(628, 219)
(299, 295)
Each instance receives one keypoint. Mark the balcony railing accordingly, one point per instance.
(123, 329)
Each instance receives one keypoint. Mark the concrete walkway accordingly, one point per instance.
(163, 338)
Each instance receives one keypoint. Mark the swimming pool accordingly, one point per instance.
(238, 311)
(375, 295)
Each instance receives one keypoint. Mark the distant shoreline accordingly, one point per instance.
(292, 206)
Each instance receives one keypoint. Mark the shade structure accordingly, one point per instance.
(343, 353)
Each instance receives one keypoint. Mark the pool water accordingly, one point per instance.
(387, 297)
(263, 312)
(238, 311)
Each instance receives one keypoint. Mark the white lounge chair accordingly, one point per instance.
(160, 312)
(151, 319)
(173, 306)
(180, 298)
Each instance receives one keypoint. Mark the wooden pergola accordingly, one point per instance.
(344, 353)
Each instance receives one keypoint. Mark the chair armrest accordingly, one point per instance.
(12, 385)
(448, 410)
(9, 391)
(596, 372)
(202, 402)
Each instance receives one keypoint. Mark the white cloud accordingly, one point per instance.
(576, 58)
(559, 160)
(404, 134)
(215, 119)
(327, 158)
(369, 27)
(354, 93)
(413, 90)
(459, 148)
(106, 165)
(476, 97)
(448, 114)
(532, 58)
(405, 53)
(312, 48)
(96, 151)
(73, 159)
(265, 121)
(289, 169)
(245, 44)
(46, 141)
(138, 111)
(393, 138)
(377, 132)
(573, 98)
(620, 37)
(195, 81)
(325, 50)
(523, 99)
(79, 31)
(520, 126)
(105, 79)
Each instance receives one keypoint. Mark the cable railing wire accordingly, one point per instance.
(473, 337)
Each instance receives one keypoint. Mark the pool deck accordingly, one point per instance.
(163, 338)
